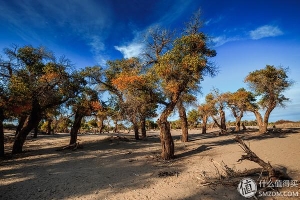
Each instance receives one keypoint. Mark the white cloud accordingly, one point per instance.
(220, 40)
(265, 31)
(133, 49)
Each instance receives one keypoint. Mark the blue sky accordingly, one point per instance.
(247, 35)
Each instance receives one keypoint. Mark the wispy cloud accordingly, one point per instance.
(131, 50)
(220, 40)
(136, 46)
(265, 31)
(32, 20)
(213, 20)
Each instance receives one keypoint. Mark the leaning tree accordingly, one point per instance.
(268, 85)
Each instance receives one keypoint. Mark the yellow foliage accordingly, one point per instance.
(172, 87)
(49, 77)
(125, 81)
(95, 105)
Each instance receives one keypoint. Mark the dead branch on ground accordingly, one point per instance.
(273, 174)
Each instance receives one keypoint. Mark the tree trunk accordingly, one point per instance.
(204, 119)
(75, 128)
(100, 124)
(238, 116)
(116, 126)
(166, 139)
(1, 133)
(136, 130)
(238, 123)
(183, 120)
(266, 117)
(244, 127)
(49, 126)
(21, 123)
(36, 129)
(223, 122)
(32, 122)
(143, 127)
(262, 127)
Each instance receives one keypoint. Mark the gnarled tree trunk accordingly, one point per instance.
(75, 128)
(238, 124)
(183, 120)
(32, 122)
(166, 139)
(238, 118)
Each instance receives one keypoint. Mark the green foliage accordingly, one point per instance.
(193, 118)
(269, 84)
(181, 68)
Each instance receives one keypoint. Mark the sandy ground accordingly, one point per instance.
(114, 169)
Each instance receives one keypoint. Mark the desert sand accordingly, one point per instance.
(113, 169)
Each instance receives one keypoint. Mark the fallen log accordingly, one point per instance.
(273, 174)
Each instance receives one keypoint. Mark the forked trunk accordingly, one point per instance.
(238, 116)
(1, 133)
(143, 127)
(75, 128)
(183, 120)
(32, 122)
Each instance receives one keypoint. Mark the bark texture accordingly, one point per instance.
(32, 122)
(184, 122)
(166, 139)
(75, 128)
